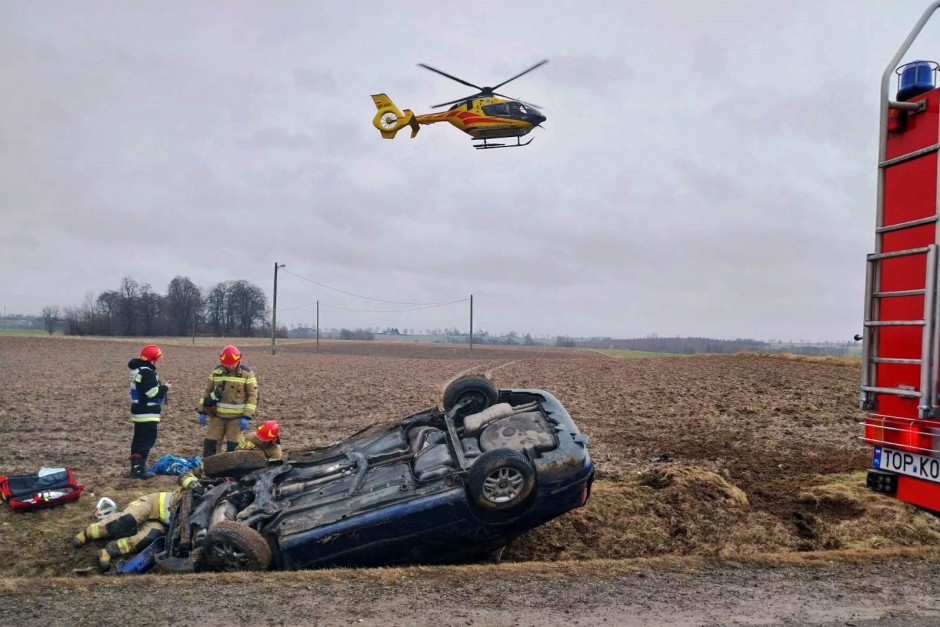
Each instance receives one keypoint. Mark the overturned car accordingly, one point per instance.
(447, 485)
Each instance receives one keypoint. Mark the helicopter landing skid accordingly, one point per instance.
(489, 145)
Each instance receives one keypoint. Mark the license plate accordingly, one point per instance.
(910, 464)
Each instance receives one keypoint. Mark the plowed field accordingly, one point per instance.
(704, 457)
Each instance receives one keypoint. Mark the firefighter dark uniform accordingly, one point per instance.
(230, 401)
(136, 528)
(147, 397)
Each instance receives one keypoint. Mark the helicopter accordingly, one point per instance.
(484, 116)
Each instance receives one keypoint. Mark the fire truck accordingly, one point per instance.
(901, 338)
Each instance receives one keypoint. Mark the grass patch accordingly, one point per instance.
(23, 332)
(628, 354)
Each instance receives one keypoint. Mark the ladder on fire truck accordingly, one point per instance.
(878, 322)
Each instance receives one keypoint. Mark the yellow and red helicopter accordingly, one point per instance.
(484, 116)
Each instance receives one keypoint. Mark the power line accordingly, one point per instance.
(462, 300)
(380, 300)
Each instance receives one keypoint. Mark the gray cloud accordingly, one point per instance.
(705, 169)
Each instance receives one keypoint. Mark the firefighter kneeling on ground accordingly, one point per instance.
(266, 439)
(138, 526)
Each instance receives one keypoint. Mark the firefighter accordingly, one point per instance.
(230, 400)
(148, 395)
(137, 527)
(267, 439)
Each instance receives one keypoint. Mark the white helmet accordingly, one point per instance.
(105, 508)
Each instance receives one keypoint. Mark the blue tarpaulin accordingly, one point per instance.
(173, 465)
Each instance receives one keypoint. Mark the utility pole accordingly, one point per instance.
(471, 324)
(318, 326)
(274, 311)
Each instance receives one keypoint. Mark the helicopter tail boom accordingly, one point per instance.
(389, 119)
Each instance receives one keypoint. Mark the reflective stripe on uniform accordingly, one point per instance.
(124, 546)
(165, 507)
(145, 417)
(217, 378)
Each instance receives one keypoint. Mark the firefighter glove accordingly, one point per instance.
(243, 423)
(202, 419)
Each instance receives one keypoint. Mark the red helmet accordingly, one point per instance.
(230, 356)
(151, 353)
(268, 431)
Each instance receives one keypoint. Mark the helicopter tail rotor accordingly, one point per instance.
(389, 119)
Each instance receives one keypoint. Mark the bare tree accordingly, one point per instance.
(216, 306)
(183, 302)
(50, 318)
(236, 308)
(149, 306)
(249, 305)
(128, 307)
(107, 313)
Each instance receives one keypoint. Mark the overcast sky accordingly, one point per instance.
(707, 168)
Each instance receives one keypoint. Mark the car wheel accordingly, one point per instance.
(478, 390)
(231, 546)
(233, 463)
(501, 482)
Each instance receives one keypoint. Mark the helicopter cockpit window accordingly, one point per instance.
(496, 109)
(516, 108)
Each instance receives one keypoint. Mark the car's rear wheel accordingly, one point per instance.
(231, 546)
(501, 482)
(233, 463)
(480, 391)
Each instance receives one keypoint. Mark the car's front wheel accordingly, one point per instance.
(231, 546)
(501, 482)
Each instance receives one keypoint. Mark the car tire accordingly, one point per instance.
(501, 482)
(480, 391)
(231, 546)
(233, 463)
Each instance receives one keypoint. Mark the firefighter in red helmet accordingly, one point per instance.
(229, 401)
(267, 439)
(148, 395)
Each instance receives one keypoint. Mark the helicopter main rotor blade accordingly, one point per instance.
(528, 104)
(539, 64)
(453, 78)
(444, 104)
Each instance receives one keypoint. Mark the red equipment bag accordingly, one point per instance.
(26, 493)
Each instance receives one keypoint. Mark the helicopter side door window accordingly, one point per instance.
(499, 109)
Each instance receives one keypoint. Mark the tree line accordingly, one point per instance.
(230, 308)
(694, 345)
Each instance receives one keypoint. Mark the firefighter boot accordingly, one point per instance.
(231, 446)
(105, 556)
(139, 467)
(208, 447)
(79, 539)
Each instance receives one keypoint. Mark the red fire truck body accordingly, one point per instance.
(901, 347)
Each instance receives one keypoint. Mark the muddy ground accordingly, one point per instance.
(706, 462)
